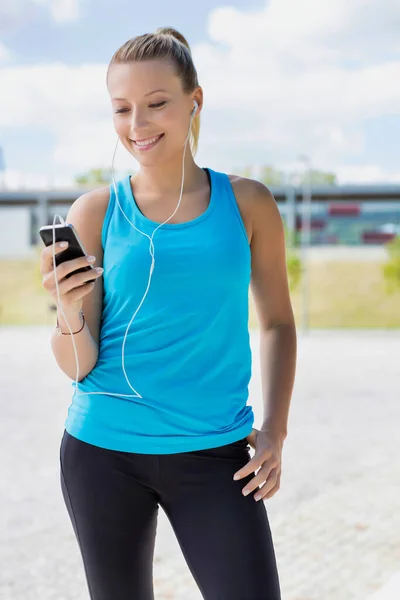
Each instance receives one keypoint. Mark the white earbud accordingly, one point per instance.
(196, 106)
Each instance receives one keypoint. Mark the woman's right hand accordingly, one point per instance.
(71, 289)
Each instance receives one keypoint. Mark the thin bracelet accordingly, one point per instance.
(75, 332)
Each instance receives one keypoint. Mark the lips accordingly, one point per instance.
(147, 142)
(149, 138)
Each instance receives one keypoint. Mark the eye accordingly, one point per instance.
(159, 105)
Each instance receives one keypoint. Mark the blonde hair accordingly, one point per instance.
(165, 42)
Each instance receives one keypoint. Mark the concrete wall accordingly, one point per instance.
(15, 232)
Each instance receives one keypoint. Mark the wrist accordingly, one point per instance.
(75, 321)
(277, 431)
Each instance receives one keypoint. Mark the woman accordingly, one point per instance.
(185, 432)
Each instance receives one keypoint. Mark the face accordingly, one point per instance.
(148, 102)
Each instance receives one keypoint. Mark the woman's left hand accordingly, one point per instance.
(267, 458)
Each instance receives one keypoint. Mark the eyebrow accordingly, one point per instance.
(148, 94)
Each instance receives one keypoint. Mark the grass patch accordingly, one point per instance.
(22, 299)
(342, 295)
(346, 294)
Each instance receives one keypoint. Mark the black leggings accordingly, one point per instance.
(112, 499)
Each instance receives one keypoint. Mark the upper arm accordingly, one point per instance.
(269, 279)
(87, 215)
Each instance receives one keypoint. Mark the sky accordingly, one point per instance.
(281, 78)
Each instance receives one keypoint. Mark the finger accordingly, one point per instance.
(253, 464)
(64, 269)
(69, 266)
(55, 279)
(269, 488)
(47, 256)
(258, 480)
(78, 280)
(79, 292)
(67, 269)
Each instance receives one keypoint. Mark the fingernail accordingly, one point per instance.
(246, 492)
(63, 244)
(257, 498)
(236, 477)
(99, 269)
(90, 258)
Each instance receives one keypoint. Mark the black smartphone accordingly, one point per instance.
(65, 233)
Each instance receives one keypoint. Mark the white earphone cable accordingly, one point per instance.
(151, 250)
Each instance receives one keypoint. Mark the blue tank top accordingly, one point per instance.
(187, 352)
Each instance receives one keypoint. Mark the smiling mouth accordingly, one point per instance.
(147, 142)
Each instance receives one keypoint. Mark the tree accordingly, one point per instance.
(293, 261)
(94, 177)
(269, 175)
(244, 172)
(319, 177)
(391, 269)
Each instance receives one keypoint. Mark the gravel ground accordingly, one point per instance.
(335, 521)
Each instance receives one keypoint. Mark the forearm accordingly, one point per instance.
(63, 348)
(278, 354)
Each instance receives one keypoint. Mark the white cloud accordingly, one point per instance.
(75, 95)
(369, 173)
(79, 148)
(297, 73)
(62, 10)
(312, 30)
(292, 77)
(5, 53)
(280, 59)
(18, 13)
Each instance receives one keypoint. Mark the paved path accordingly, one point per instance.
(335, 520)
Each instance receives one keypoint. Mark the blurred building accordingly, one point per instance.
(351, 215)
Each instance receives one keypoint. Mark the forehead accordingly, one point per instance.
(138, 78)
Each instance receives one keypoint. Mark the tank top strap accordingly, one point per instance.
(227, 200)
(112, 205)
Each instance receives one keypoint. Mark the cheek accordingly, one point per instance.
(121, 126)
(172, 120)
(176, 128)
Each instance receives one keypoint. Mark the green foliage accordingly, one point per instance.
(294, 268)
(319, 177)
(293, 261)
(269, 175)
(391, 269)
(94, 177)
(244, 172)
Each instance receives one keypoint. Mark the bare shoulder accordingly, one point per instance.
(86, 214)
(254, 199)
(92, 204)
(251, 190)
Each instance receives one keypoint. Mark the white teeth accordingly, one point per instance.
(148, 142)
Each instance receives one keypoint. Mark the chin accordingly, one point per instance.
(152, 161)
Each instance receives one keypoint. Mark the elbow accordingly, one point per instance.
(88, 369)
(286, 325)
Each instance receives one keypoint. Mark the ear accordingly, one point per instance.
(198, 97)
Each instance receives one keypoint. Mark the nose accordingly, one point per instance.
(138, 122)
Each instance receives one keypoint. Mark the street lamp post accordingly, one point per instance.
(2, 170)
(305, 241)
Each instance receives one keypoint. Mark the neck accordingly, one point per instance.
(165, 179)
